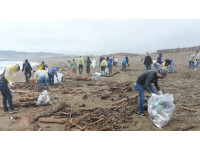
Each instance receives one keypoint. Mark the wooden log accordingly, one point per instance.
(77, 120)
(45, 113)
(186, 108)
(52, 120)
(58, 107)
(28, 104)
(124, 100)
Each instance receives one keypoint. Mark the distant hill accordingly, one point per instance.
(123, 54)
(14, 55)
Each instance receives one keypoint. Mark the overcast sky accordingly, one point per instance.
(84, 37)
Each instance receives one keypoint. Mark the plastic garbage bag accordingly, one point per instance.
(59, 78)
(106, 71)
(161, 109)
(96, 76)
(93, 63)
(43, 99)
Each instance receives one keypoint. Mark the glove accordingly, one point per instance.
(160, 92)
(11, 83)
(153, 94)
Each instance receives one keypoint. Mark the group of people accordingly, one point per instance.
(144, 81)
(81, 62)
(158, 62)
(40, 76)
(194, 60)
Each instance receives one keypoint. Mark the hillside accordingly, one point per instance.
(13, 55)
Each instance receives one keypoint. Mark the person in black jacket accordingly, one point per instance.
(27, 67)
(127, 60)
(144, 83)
(148, 61)
(88, 62)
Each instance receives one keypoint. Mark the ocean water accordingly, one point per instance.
(4, 64)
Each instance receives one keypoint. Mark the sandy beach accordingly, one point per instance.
(183, 84)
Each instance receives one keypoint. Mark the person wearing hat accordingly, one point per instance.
(6, 77)
(144, 83)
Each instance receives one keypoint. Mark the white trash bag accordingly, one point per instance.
(161, 109)
(43, 99)
(93, 63)
(96, 76)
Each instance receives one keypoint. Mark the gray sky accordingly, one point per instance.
(84, 37)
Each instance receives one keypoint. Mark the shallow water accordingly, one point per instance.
(4, 64)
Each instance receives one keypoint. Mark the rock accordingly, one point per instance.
(81, 105)
(105, 94)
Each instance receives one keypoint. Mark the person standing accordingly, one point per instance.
(88, 62)
(127, 60)
(159, 59)
(27, 67)
(51, 72)
(144, 83)
(103, 66)
(43, 66)
(191, 61)
(123, 60)
(155, 64)
(73, 66)
(6, 77)
(171, 63)
(41, 76)
(116, 60)
(80, 65)
(148, 61)
(109, 66)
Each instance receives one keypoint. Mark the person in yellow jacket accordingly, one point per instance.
(41, 76)
(43, 66)
(6, 77)
(104, 64)
(80, 65)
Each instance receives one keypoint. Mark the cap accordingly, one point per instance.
(164, 71)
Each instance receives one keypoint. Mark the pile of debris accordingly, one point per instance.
(96, 119)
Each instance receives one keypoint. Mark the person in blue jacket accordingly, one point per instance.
(109, 66)
(123, 60)
(51, 72)
(159, 59)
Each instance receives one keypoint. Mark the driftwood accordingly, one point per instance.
(111, 74)
(58, 107)
(52, 120)
(186, 108)
(77, 120)
(124, 100)
(44, 114)
(79, 79)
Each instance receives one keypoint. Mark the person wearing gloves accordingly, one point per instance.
(80, 65)
(123, 60)
(144, 83)
(104, 64)
(168, 62)
(27, 67)
(6, 77)
(51, 72)
(41, 76)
